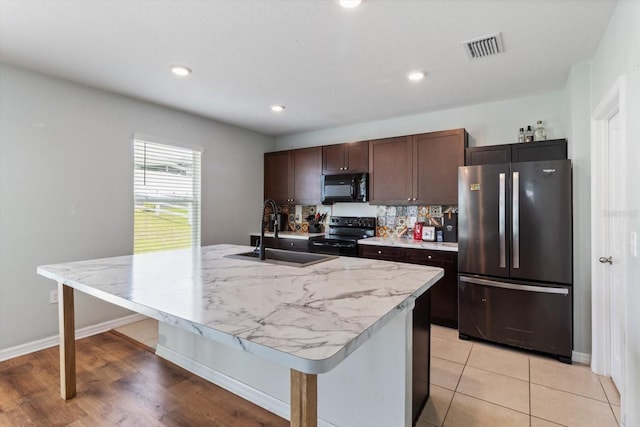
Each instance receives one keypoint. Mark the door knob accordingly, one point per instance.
(605, 260)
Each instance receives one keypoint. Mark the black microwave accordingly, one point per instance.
(345, 188)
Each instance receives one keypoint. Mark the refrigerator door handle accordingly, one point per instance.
(515, 230)
(502, 221)
(514, 286)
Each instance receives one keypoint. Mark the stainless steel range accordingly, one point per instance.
(343, 235)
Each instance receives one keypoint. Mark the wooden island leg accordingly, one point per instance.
(304, 399)
(67, 332)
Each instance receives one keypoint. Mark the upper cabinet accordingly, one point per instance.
(293, 176)
(352, 157)
(417, 169)
(553, 149)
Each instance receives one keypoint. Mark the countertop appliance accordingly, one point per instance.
(343, 235)
(515, 258)
(345, 188)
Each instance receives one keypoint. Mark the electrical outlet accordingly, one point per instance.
(53, 297)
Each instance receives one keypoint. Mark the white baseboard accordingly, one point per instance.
(236, 387)
(584, 358)
(41, 344)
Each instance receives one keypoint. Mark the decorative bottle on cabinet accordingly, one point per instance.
(540, 134)
(528, 135)
(521, 135)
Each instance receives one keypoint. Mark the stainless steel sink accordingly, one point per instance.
(279, 257)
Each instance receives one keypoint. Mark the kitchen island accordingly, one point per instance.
(306, 319)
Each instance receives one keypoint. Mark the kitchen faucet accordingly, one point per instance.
(274, 211)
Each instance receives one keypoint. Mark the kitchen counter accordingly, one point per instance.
(305, 321)
(290, 235)
(308, 319)
(409, 243)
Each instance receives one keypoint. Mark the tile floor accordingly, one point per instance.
(479, 384)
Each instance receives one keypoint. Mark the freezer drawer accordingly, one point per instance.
(525, 315)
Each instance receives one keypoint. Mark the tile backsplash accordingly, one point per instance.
(391, 221)
(398, 221)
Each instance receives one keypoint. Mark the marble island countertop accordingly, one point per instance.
(409, 243)
(308, 319)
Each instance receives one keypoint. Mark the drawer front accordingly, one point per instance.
(426, 257)
(298, 245)
(531, 317)
(386, 253)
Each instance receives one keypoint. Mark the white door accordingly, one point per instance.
(615, 229)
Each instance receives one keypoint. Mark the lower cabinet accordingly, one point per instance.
(298, 245)
(444, 294)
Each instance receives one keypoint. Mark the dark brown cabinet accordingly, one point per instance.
(390, 171)
(352, 157)
(490, 155)
(554, 149)
(293, 176)
(444, 294)
(417, 169)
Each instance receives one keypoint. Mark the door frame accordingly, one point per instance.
(614, 101)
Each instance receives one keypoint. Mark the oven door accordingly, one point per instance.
(329, 246)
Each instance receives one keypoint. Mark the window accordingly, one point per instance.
(166, 194)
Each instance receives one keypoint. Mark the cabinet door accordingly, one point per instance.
(444, 294)
(334, 159)
(555, 149)
(436, 158)
(357, 157)
(307, 167)
(278, 176)
(489, 155)
(390, 171)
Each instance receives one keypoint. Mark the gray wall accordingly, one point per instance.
(66, 188)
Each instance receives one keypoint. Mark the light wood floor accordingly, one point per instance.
(119, 383)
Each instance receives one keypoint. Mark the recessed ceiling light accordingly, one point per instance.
(180, 70)
(349, 4)
(277, 108)
(415, 76)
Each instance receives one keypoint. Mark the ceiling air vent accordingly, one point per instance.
(484, 46)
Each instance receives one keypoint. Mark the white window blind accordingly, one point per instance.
(166, 196)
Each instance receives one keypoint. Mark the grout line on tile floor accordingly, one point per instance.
(492, 403)
(570, 392)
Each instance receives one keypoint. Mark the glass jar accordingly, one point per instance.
(528, 135)
(539, 134)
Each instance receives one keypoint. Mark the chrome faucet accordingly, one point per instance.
(274, 209)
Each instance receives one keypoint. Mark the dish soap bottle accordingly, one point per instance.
(528, 135)
(540, 134)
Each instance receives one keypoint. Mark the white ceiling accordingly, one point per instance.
(329, 66)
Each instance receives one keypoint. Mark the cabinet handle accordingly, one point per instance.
(408, 199)
(379, 252)
(292, 244)
(414, 199)
(341, 169)
(429, 257)
(346, 167)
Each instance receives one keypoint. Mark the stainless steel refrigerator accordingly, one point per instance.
(515, 255)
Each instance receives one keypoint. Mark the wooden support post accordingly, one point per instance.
(304, 399)
(66, 321)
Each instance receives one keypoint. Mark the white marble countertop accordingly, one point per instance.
(409, 243)
(308, 319)
(290, 235)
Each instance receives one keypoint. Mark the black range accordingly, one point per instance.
(343, 235)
